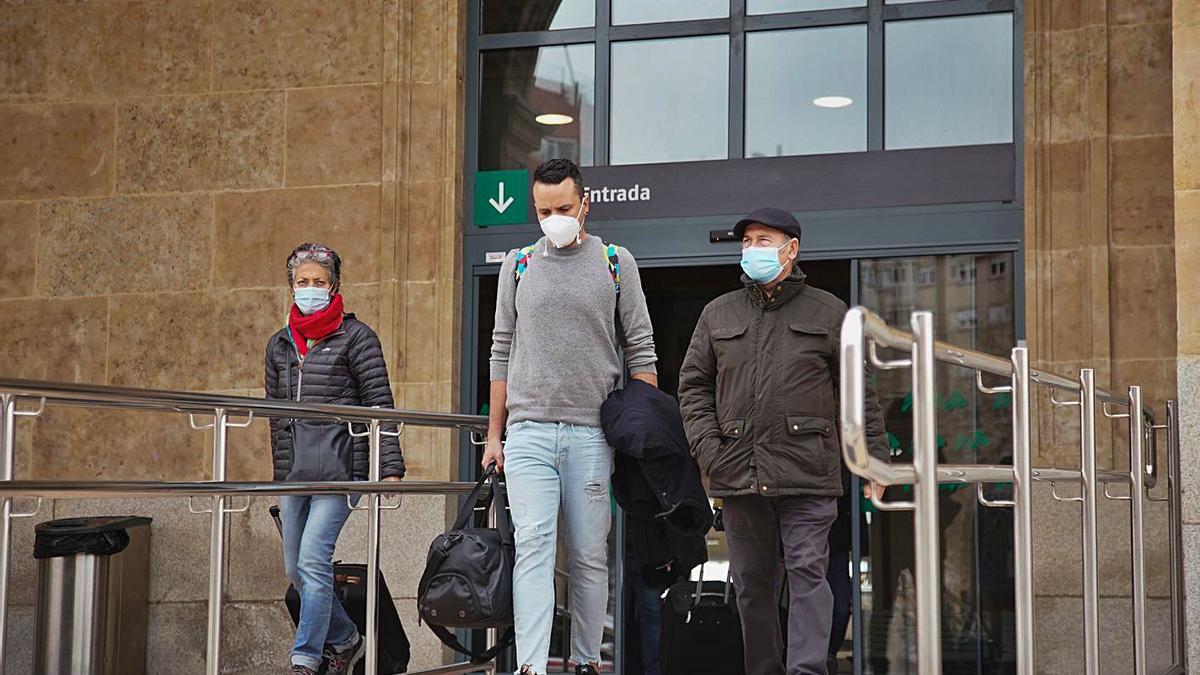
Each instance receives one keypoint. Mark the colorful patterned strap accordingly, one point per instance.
(611, 252)
(523, 257)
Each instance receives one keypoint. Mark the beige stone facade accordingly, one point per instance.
(1100, 288)
(1186, 119)
(159, 160)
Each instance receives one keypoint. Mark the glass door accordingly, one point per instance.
(972, 297)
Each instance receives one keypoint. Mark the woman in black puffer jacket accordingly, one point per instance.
(323, 355)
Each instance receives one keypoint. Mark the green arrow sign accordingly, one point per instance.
(501, 197)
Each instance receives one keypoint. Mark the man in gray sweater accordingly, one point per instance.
(566, 308)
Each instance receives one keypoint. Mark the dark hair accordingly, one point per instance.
(318, 253)
(555, 171)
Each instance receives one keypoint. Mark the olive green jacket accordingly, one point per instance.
(759, 392)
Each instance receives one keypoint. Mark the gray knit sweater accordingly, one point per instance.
(556, 341)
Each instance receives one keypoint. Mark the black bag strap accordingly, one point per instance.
(451, 640)
(468, 507)
(497, 497)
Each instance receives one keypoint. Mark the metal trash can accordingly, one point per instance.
(93, 583)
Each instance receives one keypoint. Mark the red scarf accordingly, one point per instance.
(307, 330)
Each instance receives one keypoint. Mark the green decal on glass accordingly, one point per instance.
(1002, 401)
(980, 440)
(906, 404)
(956, 402)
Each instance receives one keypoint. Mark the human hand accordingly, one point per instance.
(870, 488)
(494, 454)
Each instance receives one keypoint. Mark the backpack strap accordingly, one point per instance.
(612, 252)
(524, 255)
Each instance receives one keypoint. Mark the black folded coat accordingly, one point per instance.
(656, 480)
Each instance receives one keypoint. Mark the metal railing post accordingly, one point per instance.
(8, 437)
(1089, 494)
(1137, 498)
(372, 652)
(925, 516)
(1175, 526)
(216, 547)
(1022, 511)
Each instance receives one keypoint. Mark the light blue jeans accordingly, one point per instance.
(548, 465)
(311, 525)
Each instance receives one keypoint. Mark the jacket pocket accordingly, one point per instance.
(321, 451)
(810, 452)
(808, 339)
(729, 344)
(722, 468)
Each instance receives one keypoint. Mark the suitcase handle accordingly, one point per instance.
(699, 593)
(700, 583)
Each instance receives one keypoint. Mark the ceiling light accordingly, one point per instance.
(554, 119)
(832, 101)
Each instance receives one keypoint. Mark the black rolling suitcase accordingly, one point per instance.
(701, 630)
(350, 586)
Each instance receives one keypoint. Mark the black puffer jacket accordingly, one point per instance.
(346, 368)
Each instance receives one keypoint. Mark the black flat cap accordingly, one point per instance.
(777, 219)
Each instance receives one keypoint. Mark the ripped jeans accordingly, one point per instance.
(547, 464)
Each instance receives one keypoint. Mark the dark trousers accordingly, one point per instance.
(756, 527)
(843, 590)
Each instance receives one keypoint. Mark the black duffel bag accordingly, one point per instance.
(468, 575)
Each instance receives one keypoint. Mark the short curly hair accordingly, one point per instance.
(555, 171)
(318, 253)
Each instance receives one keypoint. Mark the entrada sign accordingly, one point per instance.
(634, 193)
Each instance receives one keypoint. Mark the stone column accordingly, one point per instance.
(1186, 87)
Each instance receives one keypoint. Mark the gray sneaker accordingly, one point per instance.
(342, 663)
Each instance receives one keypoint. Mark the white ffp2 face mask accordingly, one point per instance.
(561, 230)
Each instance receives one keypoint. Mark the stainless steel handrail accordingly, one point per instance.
(862, 332)
(55, 489)
(222, 409)
(896, 338)
(104, 396)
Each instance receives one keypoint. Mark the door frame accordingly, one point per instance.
(475, 248)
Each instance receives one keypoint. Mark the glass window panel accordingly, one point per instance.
(510, 16)
(657, 11)
(972, 297)
(670, 100)
(806, 91)
(780, 6)
(949, 81)
(536, 104)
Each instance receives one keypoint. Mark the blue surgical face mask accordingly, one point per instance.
(311, 300)
(761, 263)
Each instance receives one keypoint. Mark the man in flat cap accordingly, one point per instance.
(759, 392)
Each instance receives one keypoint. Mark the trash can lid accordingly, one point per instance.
(91, 525)
(104, 535)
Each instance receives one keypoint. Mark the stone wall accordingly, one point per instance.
(1186, 41)
(1100, 288)
(158, 161)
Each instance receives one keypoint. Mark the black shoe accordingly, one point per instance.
(586, 669)
(343, 662)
